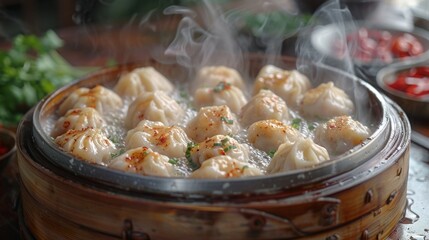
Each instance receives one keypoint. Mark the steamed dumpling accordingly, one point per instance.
(154, 106)
(267, 135)
(88, 144)
(171, 141)
(140, 80)
(326, 101)
(144, 161)
(219, 145)
(78, 118)
(210, 76)
(289, 85)
(222, 94)
(263, 106)
(268, 70)
(99, 97)
(211, 121)
(340, 134)
(304, 153)
(224, 167)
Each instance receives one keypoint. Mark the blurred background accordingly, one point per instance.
(101, 16)
(36, 16)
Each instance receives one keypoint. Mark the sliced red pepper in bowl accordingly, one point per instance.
(414, 82)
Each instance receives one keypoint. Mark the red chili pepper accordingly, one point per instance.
(414, 82)
(399, 83)
(416, 91)
(424, 71)
(406, 45)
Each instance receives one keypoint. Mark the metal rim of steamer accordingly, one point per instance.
(199, 188)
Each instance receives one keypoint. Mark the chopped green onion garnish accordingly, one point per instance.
(296, 123)
(114, 155)
(189, 148)
(230, 147)
(173, 161)
(244, 168)
(184, 94)
(221, 86)
(226, 120)
(271, 153)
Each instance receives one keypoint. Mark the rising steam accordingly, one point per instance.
(210, 35)
(329, 26)
(203, 41)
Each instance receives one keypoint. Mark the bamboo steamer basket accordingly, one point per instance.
(361, 195)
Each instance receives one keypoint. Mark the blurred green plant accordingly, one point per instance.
(29, 70)
(275, 23)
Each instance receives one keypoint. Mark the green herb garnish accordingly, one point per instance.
(296, 123)
(189, 148)
(224, 141)
(244, 168)
(114, 155)
(226, 120)
(114, 139)
(184, 94)
(311, 127)
(221, 86)
(271, 153)
(173, 161)
(188, 156)
(217, 144)
(230, 147)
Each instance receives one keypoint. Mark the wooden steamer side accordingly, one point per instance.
(58, 205)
